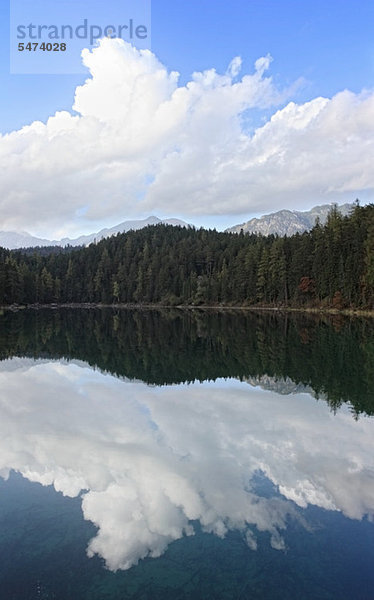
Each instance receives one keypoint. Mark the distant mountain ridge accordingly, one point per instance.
(288, 222)
(282, 222)
(14, 239)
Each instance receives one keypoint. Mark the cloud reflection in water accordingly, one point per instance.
(153, 459)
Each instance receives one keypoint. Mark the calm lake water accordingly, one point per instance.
(185, 455)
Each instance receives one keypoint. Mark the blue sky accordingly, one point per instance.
(328, 42)
(328, 46)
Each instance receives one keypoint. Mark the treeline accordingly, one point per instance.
(47, 250)
(331, 265)
(333, 356)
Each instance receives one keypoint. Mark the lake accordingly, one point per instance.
(186, 454)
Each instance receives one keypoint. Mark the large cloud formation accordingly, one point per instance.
(151, 460)
(140, 143)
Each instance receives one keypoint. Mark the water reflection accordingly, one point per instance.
(334, 358)
(154, 459)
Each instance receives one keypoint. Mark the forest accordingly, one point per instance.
(330, 266)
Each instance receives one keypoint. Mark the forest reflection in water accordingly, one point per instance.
(152, 464)
(332, 357)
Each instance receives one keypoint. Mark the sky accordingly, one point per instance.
(239, 109)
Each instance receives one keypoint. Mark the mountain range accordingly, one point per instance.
(289, 222)
(282, 222)
(14, 239)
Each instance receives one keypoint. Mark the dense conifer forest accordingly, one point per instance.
(331, 265)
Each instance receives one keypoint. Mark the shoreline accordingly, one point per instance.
(124, 306)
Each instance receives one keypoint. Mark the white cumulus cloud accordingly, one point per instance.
(140, 143)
